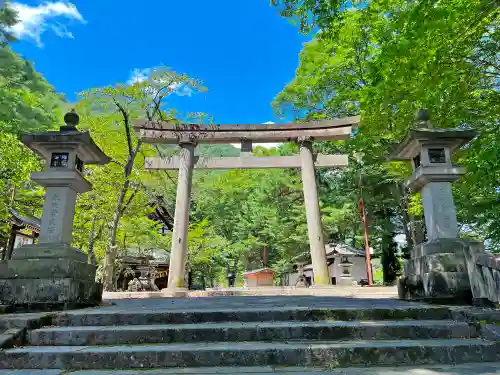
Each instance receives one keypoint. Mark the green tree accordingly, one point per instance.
(311, 14)
(8, 18)
(384, 61)
(16, 190)
(207, 254)
(109, 114)
(255, 211)
(27, 104)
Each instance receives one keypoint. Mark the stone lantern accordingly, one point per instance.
(437, 268)
(51, 271)
(346, 266)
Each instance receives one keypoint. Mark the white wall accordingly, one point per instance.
(292, 278)
(358, 271)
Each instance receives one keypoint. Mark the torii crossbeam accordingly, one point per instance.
(187, 136)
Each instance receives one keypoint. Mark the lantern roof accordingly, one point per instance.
(412, 144)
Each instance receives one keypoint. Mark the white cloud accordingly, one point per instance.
(138, 75)
(35, 20)
(141, 75)
(265, 145)
(181, 89)
(62, 31)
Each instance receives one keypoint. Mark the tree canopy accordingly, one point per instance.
(387, 59)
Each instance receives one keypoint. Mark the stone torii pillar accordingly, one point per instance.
(314, 226)
(179, 248)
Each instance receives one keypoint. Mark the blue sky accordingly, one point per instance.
(242, 49)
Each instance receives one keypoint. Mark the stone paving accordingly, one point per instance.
(469, 369)
(245, 302)
(332, 291)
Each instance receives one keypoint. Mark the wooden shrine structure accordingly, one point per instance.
(24, 230)
(187, 136)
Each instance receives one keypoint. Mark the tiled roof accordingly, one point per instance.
(258, 271)
(343, 249)
(26, 220)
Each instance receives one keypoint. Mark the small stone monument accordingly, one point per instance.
(231, 273)
(51, 273)
(346, 276)
(437, 268)
(146, 278)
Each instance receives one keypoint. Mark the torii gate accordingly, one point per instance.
(188, 135)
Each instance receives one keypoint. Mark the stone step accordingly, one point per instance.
(251, 331)
(113, 316)
(25, 320)
(465, 369)
(328, 354)
(11, 337)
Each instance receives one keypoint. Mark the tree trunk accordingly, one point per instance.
(91, 242)
(13, 196)
(353, 238)
(406, 220)
(109, 263)
(389, 260)
(418, 230)
(265, 256)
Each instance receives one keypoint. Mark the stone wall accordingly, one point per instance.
(484, 275)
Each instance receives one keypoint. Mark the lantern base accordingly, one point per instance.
(48, 276)
(437, 273)
(346, 281)
(49, 293)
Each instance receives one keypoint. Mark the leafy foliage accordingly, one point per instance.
(27, 103)
(386, 59)
(8, 18)
(108, 114)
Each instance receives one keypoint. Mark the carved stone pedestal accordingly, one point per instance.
(437, 271)
(43, 276)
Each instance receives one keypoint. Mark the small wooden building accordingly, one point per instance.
(152, 266)
(24, 230)
(260, 277)
(337, 254)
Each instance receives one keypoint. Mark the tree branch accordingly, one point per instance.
(101, 226)
(157, 101)
(130, 199)
(131, 158)
(117, 162)
(126, 122)
(165, 171)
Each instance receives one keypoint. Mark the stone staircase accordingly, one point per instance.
(322, 337)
